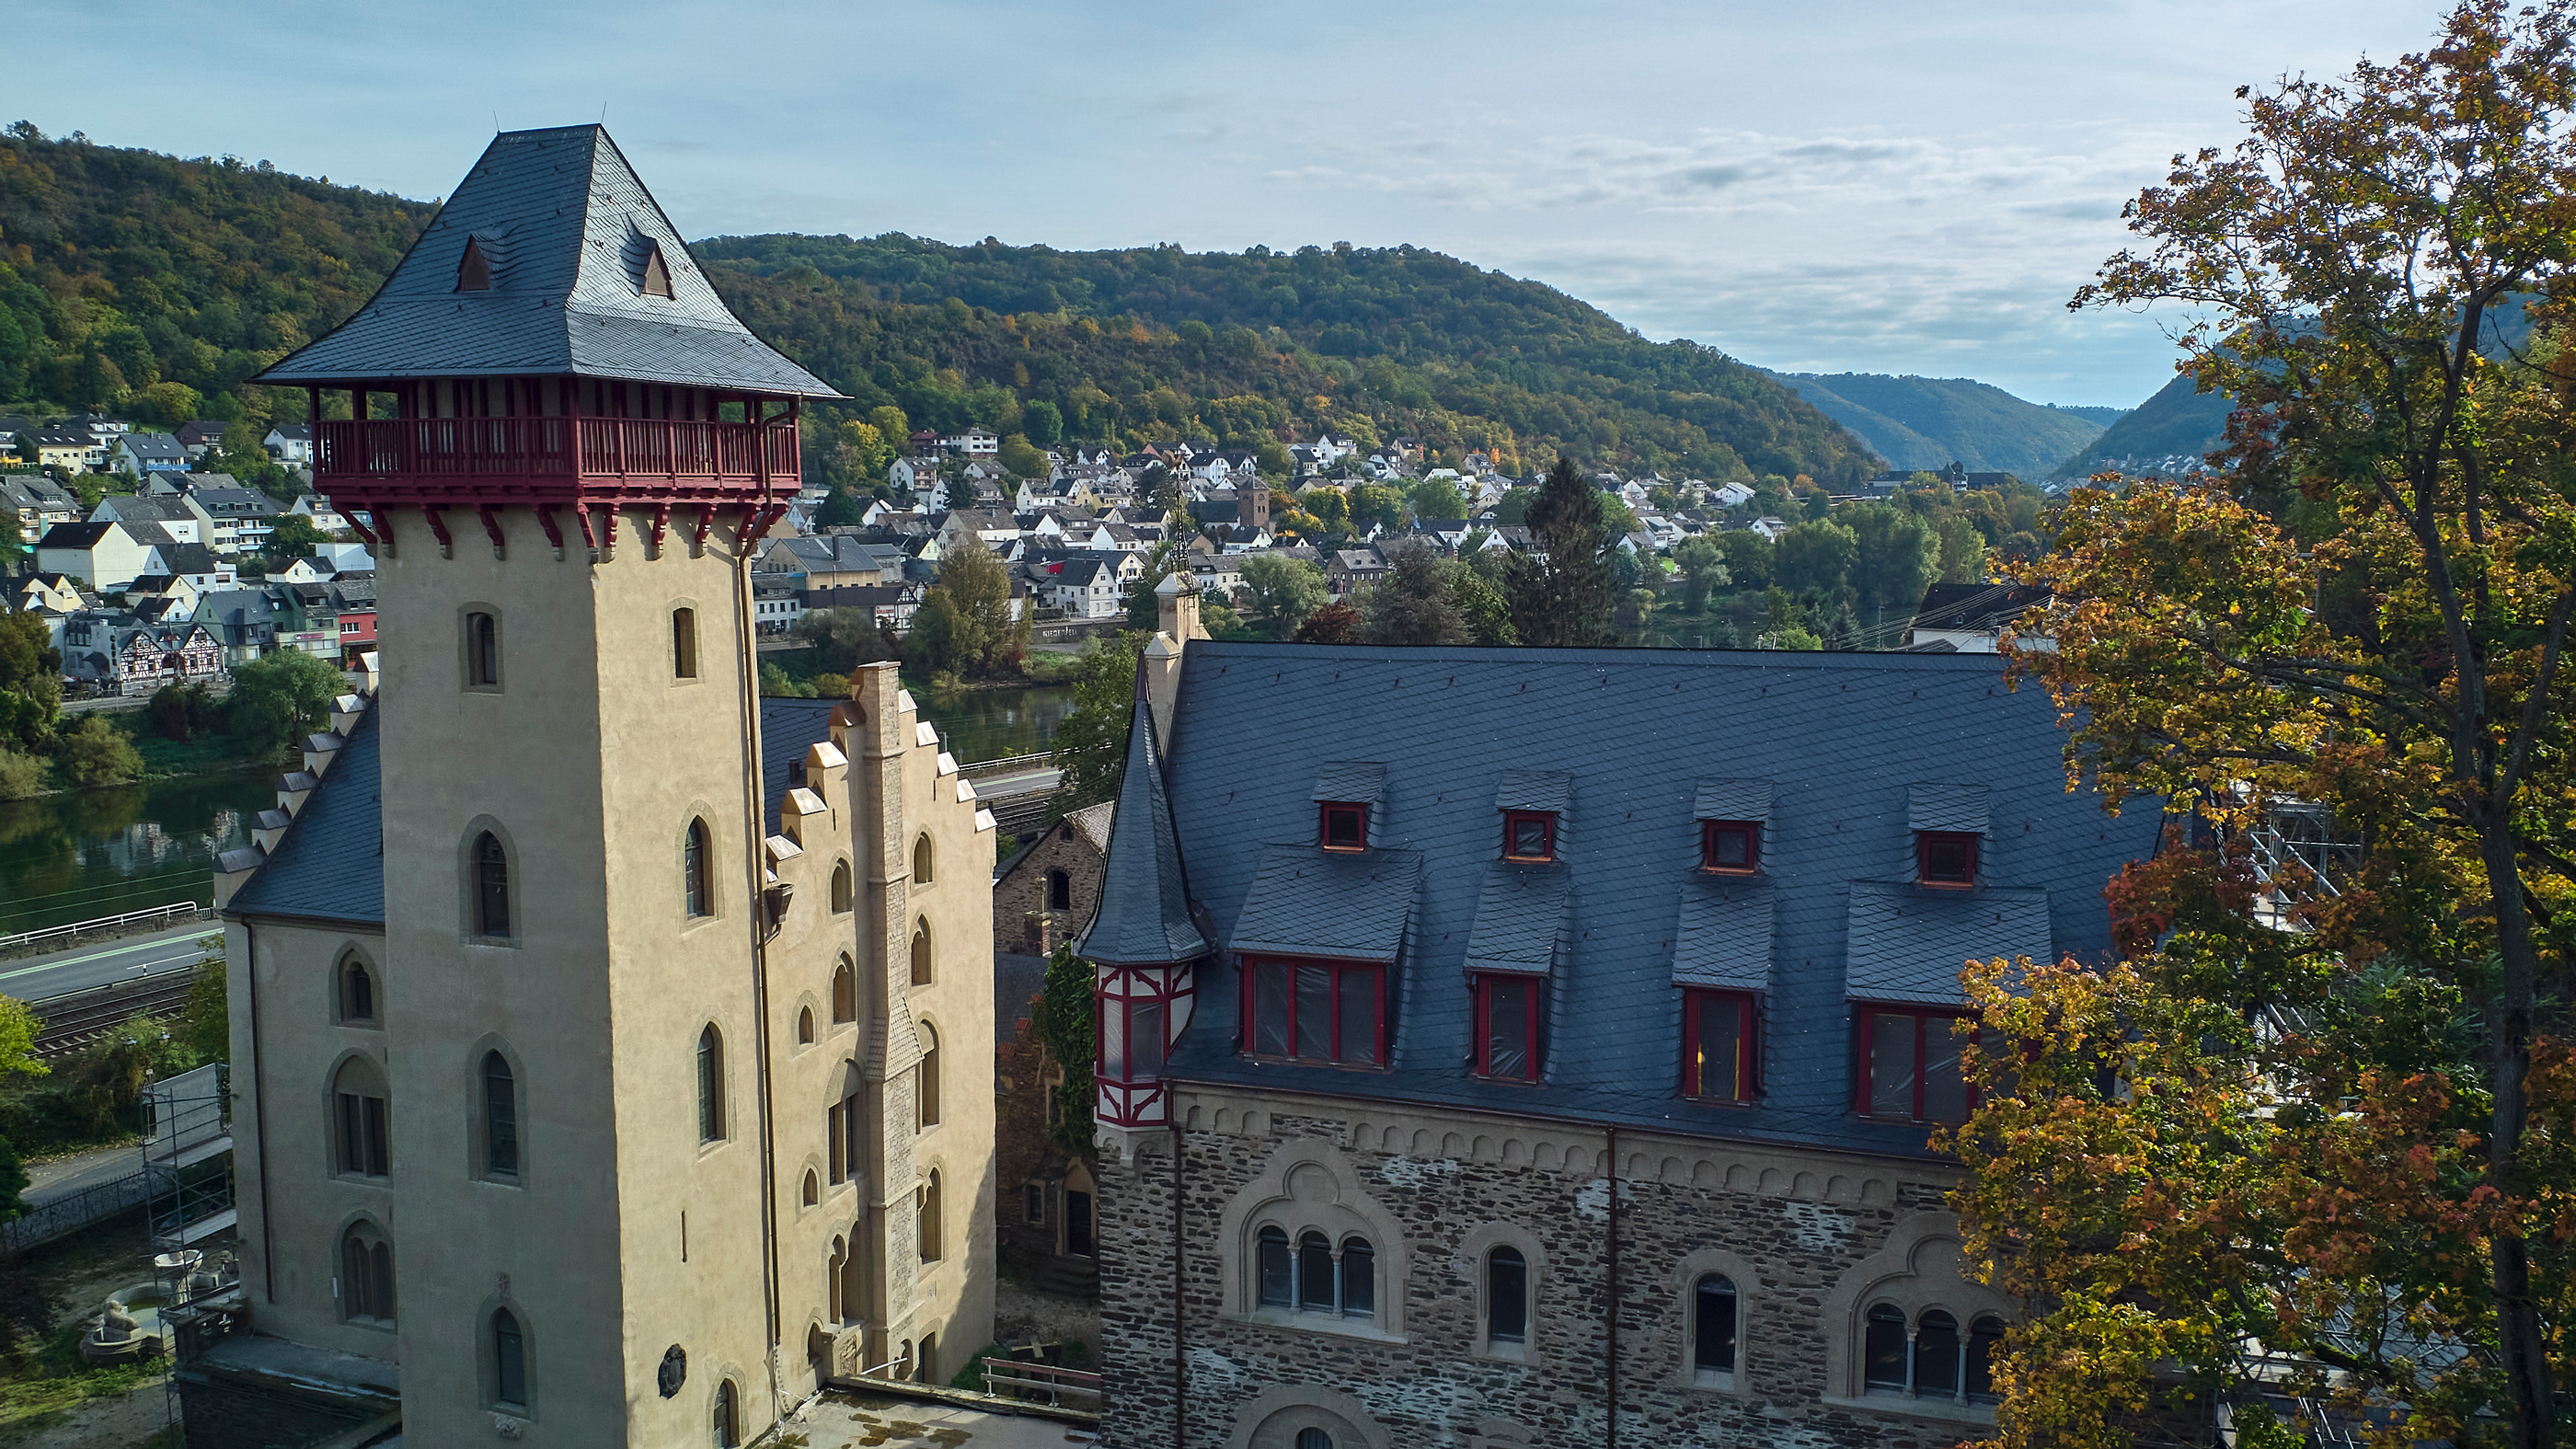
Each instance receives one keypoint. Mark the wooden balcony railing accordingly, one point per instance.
(648, 448)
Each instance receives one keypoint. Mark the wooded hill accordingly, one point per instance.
(1925, 422)
(123, 272)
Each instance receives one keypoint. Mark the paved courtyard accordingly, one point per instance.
(848, 1421)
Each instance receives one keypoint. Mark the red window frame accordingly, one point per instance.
(1745, 1070)
(1513, 820)
(1866, 1018)
(1926, 841)
(1357, 815)
(1750, 830)
(1337, 1051)
(1531, 1014)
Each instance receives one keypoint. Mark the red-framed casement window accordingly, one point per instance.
(1315, 1011)
(1529, 835)
(1733, 846)
(1909, 1063)
(1343, 826)
(1721, 1049)
(1945, 858)
(1507, 1026)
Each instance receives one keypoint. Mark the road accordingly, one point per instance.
(101, 963)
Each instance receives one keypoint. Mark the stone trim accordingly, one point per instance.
(1308, 1184)
(1684, 1287)
(1469, 1263)
(1923, 1265)
(1273, 1419)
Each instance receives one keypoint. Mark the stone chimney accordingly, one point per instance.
(1040, 926)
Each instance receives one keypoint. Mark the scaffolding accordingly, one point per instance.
(188, 1195)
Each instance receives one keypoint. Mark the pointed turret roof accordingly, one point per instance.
(565, 238)
(1144, 916)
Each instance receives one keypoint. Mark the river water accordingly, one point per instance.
(96, 853)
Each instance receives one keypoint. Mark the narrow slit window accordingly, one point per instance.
(711, 1093)
(684, 643)
(695, 866)
(482, 651)
(500, 1118)
(1506, 1296)
(1275, 1268)
(1713, 1323)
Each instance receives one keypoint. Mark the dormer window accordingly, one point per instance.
(1945, 858)
(1529, 835)
(1345, 826)
(473, 272)
(1730, 845)
(657, 277)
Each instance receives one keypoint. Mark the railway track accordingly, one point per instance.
(75, 1019)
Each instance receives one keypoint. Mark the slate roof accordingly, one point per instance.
(1519, 913)
(1144, 912)
(566, 228)
(330, 865)
(788, 728)
(1840, 740)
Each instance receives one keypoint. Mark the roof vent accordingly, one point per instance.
(473, 273)
(657, 277)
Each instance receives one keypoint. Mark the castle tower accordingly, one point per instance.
(636, 1097)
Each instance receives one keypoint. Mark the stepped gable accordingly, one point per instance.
(568, 240)
(330, 863)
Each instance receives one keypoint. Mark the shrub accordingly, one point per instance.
(22, 777)
(95, 752)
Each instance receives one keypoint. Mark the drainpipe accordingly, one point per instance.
(747, 695)
(1180, 1377)
(1613, 1375)
(259, 1113)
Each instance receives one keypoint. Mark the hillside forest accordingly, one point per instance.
(153, 286)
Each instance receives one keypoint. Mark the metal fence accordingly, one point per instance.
(157, 915)
(71, 1214)
(1041, 1383)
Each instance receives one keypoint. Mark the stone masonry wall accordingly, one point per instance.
(1022, 894)
(1810, 1239)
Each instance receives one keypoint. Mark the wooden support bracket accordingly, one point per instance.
(661, 525)
(589, 539)
(554, 531)
(438, 526)
(706, 520)
(492, 526)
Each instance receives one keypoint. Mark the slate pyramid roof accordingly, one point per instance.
(566, 231)
(1144, 916)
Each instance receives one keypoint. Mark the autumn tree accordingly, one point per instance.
(2326, 1110)
(1562, 591)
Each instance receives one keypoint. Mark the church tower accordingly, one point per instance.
(636, 1102)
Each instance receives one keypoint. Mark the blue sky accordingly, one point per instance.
(1839, 185)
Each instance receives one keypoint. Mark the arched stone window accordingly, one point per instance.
(804, 1026)
(481, 648)
(926, 1205)
(1304, 1245)
(1713, 1324)
(697, 866)
(1278, 1269)
(921, 975)
(684, 643)
(1506, 1296)
(1314, 1439)
(711, 1085)
(921, 859)
(359, 1106)
(366, 1276)
(491, 906)
(728, 1413)
(509, 1362)
(1911, 1321)
(841, 887)
(845, 993)
(356, 996)
(1883, 1355)
(925, 1091)
(500, 1119)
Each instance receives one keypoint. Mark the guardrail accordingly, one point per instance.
(1038, 1382)
(177, 910)
(69, 1214)
(1007, 765)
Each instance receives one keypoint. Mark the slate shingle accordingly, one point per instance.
(330, 864)
(1144, 913)
(1519, 913)
(1310, 902)
(1907, 942)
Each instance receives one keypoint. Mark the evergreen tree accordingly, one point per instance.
(1412, 605)
(1561, 592)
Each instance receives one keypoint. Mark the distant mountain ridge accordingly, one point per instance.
(2180, 421)
(1926, 422)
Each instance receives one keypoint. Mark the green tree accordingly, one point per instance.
(1331, 507)
(1436, 498)
(1703, 564)
(1963, 550)
(279, 699)
(1064, 1023)
(205, 1023)
(19, 1029)
(940, 641)
(1750, 558)
(893, 428)
(1413, 605)
(1482, 608)
(1374, 505)
(1284, 590)
(1023, 460)
(291, 536)
(2332, 1160)
(844, 639)
(1044, 421)
(1561, 591)
(1895, 557)
(22, 777)
(984, 638)
(775, 683)
(1090, 743)
(841, 509)
(1816, 557)
(95, 752)
(31, 686)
